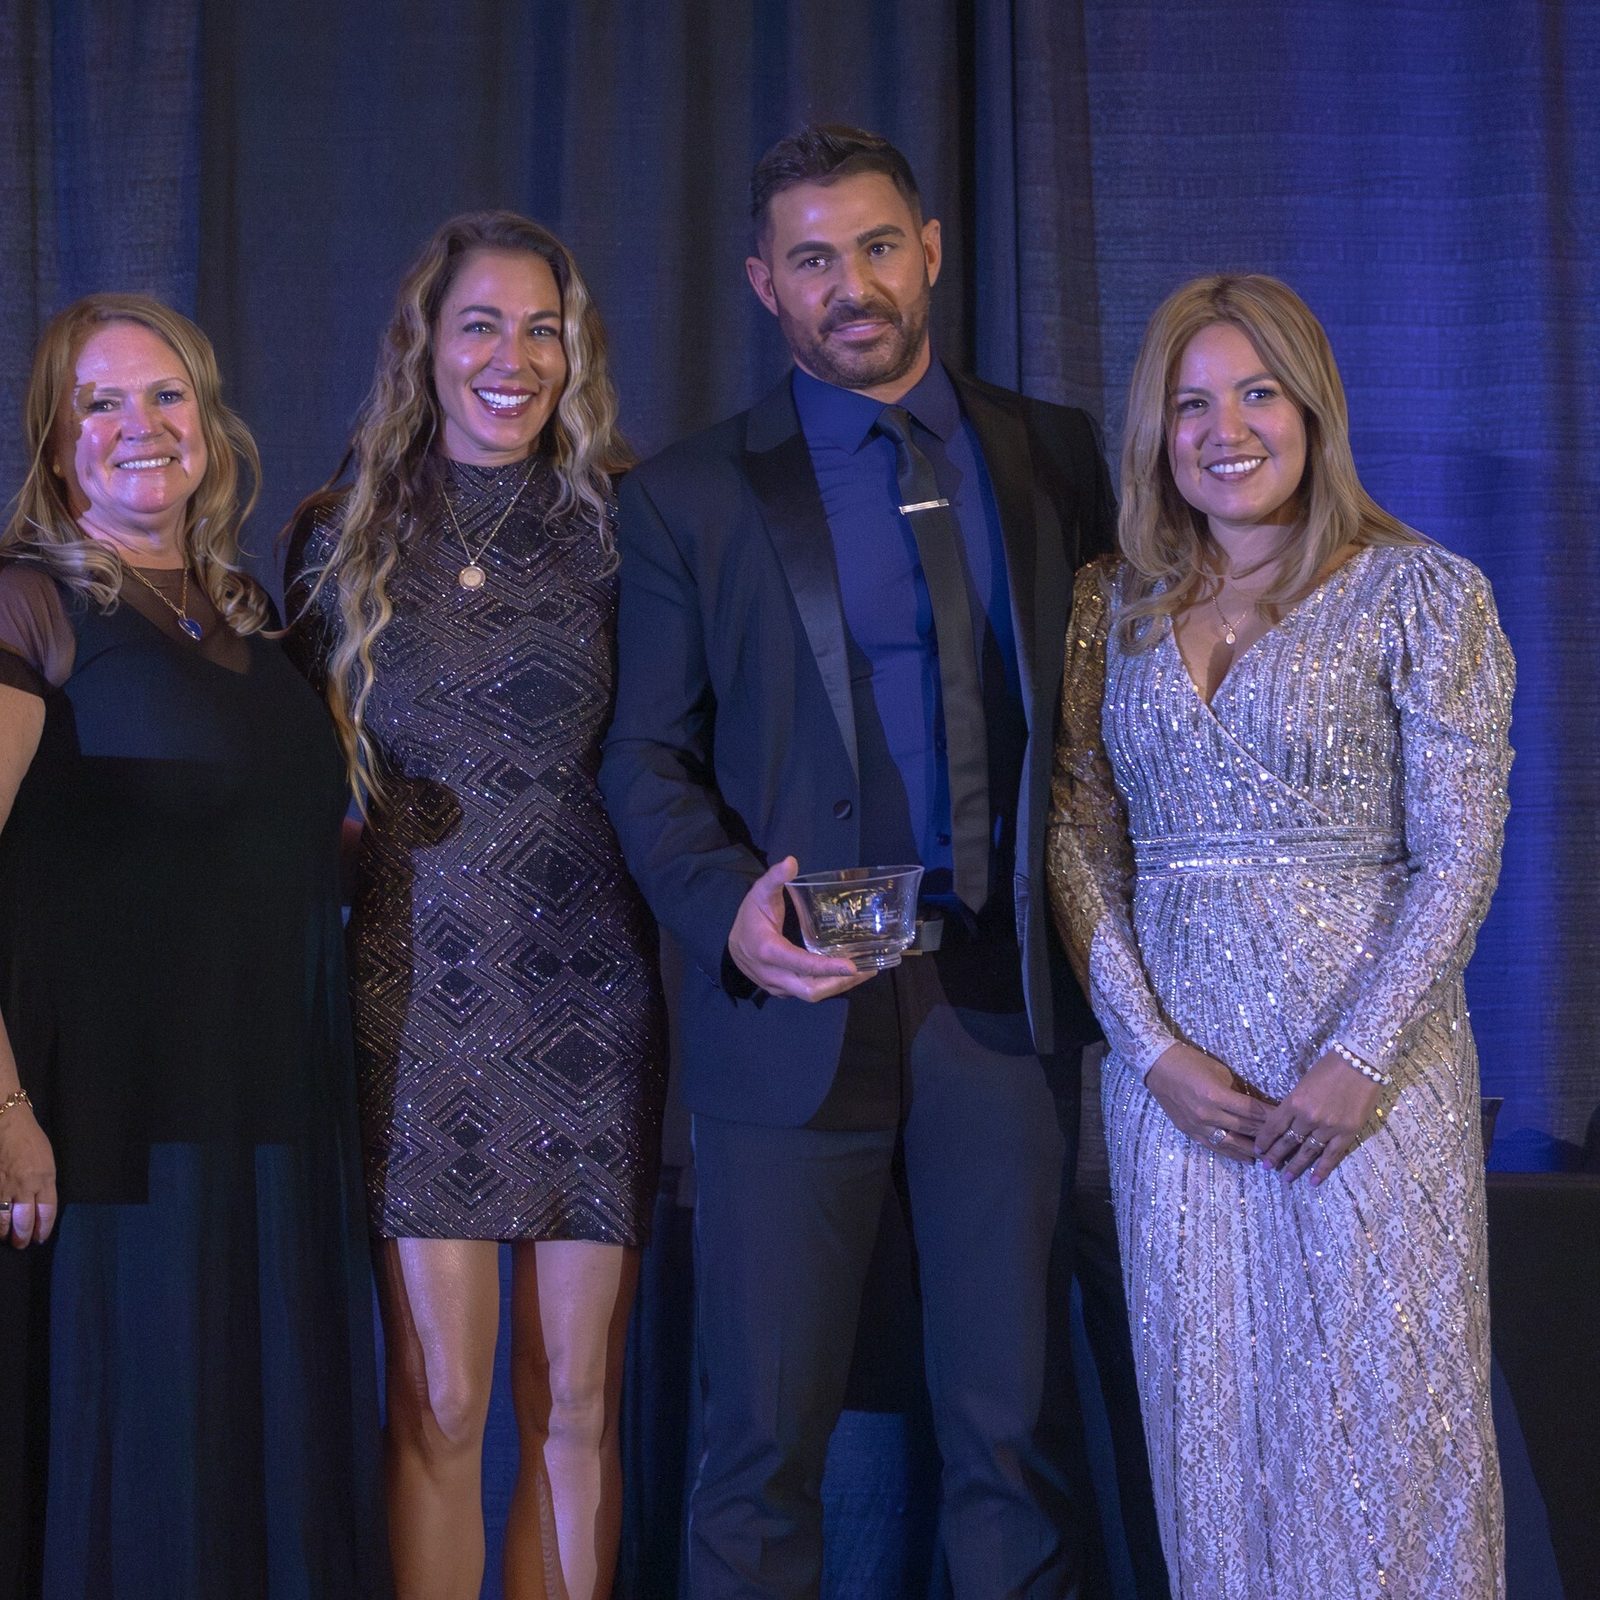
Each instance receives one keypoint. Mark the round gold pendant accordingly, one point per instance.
(472, 576)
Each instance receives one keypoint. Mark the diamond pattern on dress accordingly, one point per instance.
(509, 1016)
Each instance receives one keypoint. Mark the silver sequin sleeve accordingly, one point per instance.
(1451, 680)
(1302, 857)
(1089, 856)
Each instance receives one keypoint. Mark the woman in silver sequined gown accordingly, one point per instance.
(1277, 818)
(509, 1019)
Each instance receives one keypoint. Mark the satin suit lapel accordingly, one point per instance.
(778, 465)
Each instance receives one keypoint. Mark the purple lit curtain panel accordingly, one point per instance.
(1427, 174)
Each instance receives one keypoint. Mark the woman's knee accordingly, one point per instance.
(446, 1406)
(569, 1407)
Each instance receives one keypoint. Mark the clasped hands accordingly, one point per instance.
(27, 1179)
(1311, 1129)
(772, 962)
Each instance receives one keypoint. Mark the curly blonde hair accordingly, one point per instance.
(42, 527)
(394, 456)
(1167, 543)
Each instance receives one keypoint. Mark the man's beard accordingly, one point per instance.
(888, 358)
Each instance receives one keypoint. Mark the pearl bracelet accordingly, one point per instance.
(20, 1098)
(1361, 1066)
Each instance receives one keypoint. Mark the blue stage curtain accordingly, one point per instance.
(100, 153)
(1426, 173)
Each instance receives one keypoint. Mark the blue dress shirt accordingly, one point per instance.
(889, 617)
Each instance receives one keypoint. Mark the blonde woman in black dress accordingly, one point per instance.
(188, 1404)
(457, 600)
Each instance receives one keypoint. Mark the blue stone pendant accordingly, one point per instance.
(192, 628)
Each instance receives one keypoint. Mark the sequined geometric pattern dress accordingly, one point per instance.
(1306, 859)
(509, 1019)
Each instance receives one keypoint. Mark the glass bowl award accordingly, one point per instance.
(866, 914)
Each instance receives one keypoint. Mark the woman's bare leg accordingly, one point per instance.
(571, 1301)
(440, 1300)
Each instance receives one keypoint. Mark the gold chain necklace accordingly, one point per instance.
(472, 576)
(186, 624)
(1229, 634)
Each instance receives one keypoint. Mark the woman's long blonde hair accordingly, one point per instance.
(42, 527)
(396, 467)
(1166, 542)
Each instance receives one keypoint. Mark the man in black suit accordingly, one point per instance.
(841, 642)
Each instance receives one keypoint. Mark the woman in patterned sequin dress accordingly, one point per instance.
(1277, 818)
(457, 604)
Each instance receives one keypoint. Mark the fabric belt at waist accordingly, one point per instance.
(1224, 853)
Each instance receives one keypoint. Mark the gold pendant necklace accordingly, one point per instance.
(189, 627)
(472, 576)
(1229, 633)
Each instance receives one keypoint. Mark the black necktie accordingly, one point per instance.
(938, 536)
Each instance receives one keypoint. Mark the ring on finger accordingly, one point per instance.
(1293, 1135)
(1315, 1142)
(1219, 1135)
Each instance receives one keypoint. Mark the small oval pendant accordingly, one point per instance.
(192, 628)
(472, 576)
(1230, 637)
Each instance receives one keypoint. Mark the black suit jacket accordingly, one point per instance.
(734, 741)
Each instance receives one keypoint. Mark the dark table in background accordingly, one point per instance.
(1544, 1296)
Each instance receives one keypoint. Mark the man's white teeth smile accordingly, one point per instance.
(144, 463)
(1235, 469)
(496, 400)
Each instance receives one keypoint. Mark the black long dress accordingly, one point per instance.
(199, 1407)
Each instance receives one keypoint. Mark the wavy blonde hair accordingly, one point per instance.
(1175, 561)
(394, 454)
(42, 527)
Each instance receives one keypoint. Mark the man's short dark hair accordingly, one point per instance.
(823, 153)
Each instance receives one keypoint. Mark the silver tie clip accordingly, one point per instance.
(925, 505)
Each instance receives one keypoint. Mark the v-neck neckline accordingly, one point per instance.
(1280, 626)
(192, 649)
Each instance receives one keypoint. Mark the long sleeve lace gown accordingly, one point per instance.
(1305, 859)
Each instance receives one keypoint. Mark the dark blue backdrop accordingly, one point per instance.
(1426, 172)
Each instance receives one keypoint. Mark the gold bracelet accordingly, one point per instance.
(20, 1098)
